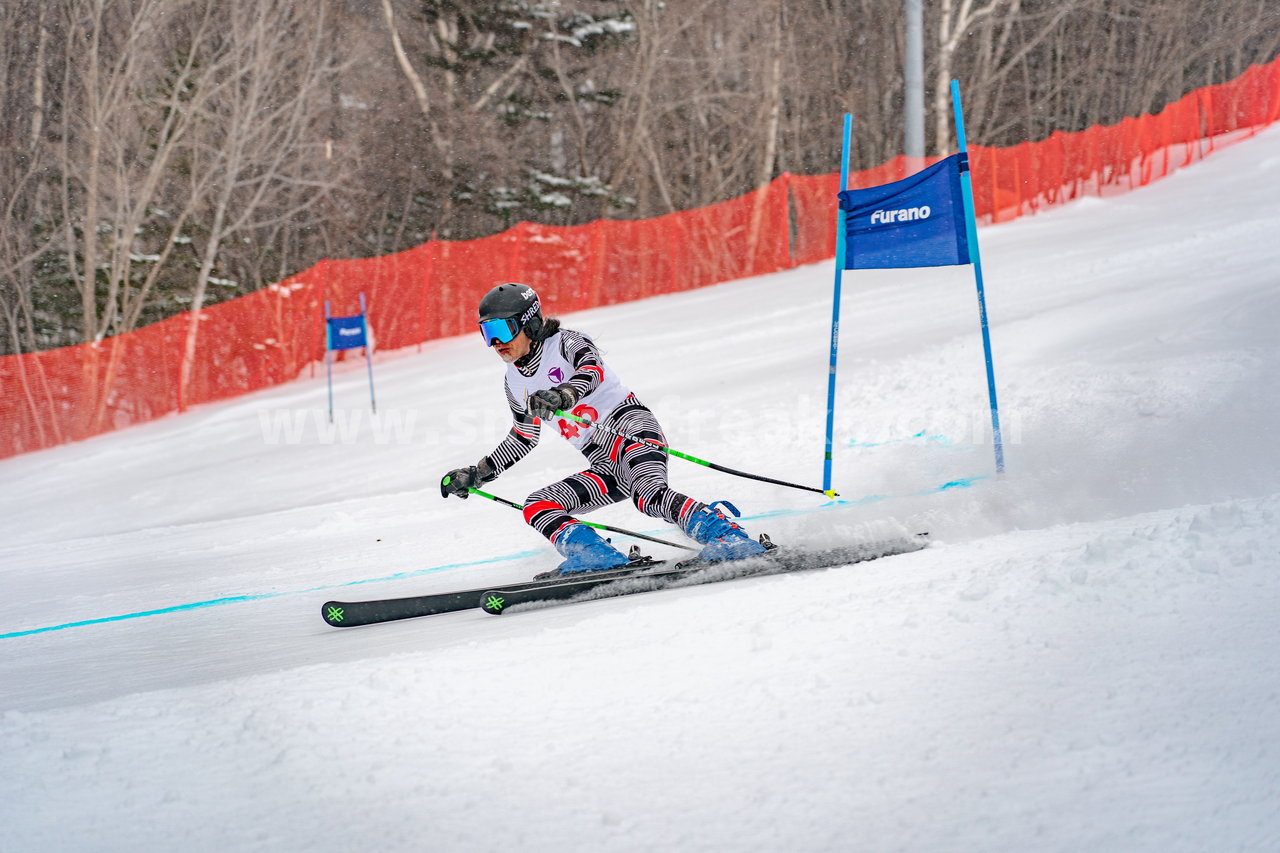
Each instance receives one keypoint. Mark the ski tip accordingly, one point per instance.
(334, 613)
(493, 602)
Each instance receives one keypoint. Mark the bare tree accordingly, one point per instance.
(136, 77)
(162, 155)
(955, 20)
(255, 158)
(25, 234)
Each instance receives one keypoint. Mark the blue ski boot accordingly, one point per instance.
(585, 551)
(723, 539)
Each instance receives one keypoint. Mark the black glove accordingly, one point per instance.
(544, 404)
(458, 481)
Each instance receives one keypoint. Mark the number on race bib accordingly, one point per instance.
(571, 429)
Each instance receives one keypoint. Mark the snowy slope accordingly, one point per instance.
(1086, 658)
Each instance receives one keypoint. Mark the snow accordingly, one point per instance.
(1086, 657)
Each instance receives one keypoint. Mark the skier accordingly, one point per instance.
(550, 368)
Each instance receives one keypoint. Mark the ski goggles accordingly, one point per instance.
(503, 330)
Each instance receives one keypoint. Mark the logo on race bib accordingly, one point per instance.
(556, 375)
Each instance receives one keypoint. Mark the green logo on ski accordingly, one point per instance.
(494, 604)
(334, 614)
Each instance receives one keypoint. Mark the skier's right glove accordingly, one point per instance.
(459, 481)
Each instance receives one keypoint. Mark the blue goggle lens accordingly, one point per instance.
(503, 330)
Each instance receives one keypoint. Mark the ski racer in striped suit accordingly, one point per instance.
(550, 368)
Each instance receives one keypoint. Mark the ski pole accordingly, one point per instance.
(831, 493)
(515, 505)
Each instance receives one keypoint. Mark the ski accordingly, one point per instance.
(689, 572)
(642, 574)
(349, 614)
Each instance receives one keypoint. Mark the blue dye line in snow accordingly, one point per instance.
(962, 483)
(931, 439)
(520, 555)
(177, 608)
(238, 599)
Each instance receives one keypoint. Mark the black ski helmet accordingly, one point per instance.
(517, 302)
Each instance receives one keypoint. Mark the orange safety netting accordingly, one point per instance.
(269, 337)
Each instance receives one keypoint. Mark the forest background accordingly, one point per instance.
(163, 155)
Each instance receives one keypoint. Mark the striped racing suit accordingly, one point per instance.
(619, 469)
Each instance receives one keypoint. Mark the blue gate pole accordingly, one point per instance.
(328, 356)
(368, 353)
(835, 306)
(971, 229)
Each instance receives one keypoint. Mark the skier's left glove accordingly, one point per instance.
(544, 404)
